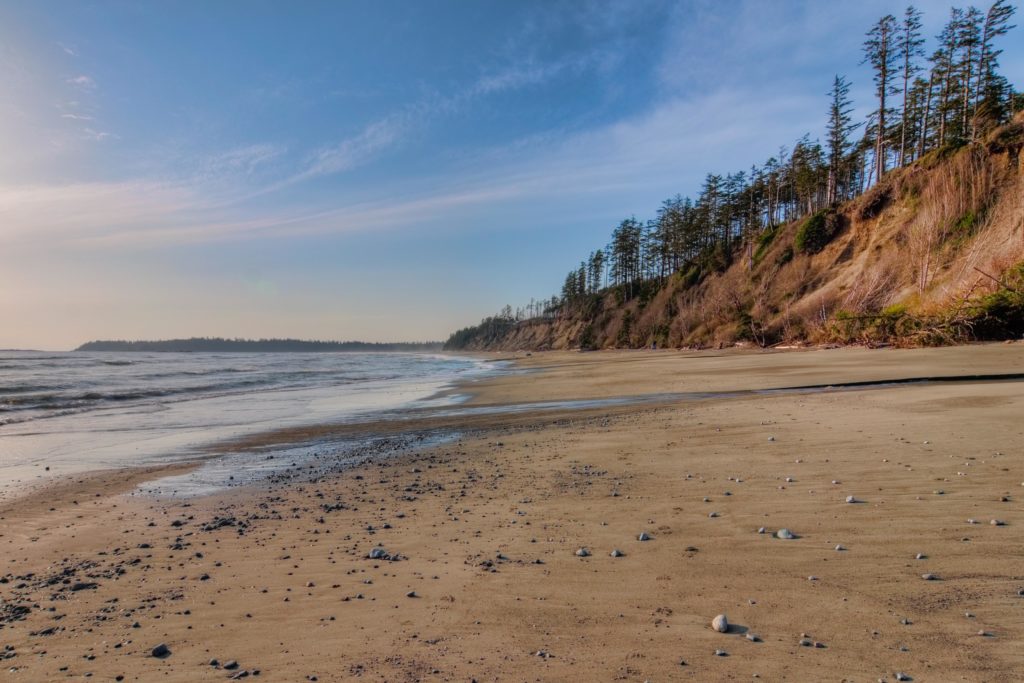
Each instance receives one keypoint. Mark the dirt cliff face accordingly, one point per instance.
(918, 259)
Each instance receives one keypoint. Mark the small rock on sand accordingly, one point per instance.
(644, 536)
(929, 577)
(160, 651)
(851, 499)
(720, 623)
(785, 534)
(582, 552)
(617, 553)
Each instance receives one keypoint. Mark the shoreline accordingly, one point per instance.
(487, 527)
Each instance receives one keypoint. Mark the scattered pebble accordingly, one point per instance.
(785, 534)
(720, 623)
(582, 552)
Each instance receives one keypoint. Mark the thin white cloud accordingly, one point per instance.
(516, 77)
(76, 117)
(244, 161)
(353, 151)
(68, 49)
(82, 81)
(346, 155)
(97, 135)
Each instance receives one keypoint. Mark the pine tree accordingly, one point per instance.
(880, 51)
(909, 47)
(943, 68)
(991, 97)
(968, 42)
(838, 134)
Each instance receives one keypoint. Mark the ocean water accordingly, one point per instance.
(75, 412)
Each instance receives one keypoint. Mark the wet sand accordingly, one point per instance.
(488, 585)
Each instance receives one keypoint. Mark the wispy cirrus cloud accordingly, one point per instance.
(82, 81)
(77, 117)
(97, 135)
(244, 161)
(346, 155)
(353, 151)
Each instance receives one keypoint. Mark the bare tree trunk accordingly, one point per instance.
(924, 119)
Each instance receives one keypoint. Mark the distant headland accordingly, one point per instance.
(197, 344)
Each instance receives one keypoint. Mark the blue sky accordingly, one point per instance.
(382, 171)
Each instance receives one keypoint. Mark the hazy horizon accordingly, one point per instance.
(379, 172)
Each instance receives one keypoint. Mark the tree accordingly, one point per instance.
(881, 53)
(991, 97)
(837, 133)
(968, 42)
(909, 47)
(595, 267)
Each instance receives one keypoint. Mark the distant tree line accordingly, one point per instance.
(952, 98)
(199, 344)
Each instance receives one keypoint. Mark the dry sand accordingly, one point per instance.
(487, 528)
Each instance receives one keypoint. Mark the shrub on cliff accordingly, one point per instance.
(817, 231)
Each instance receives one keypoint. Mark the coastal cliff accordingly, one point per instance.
(931, 254)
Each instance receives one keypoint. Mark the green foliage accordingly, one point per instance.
(744, 326)
(625, 332)
(1000, 315)
(764, 241)
(966, 223)
(691, 276)
(786, 256)
(489, 330)
(889, 324)
(817, 231)
(646, 291)
(587, 338)
(660, 332)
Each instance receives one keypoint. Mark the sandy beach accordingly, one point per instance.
(905, 501)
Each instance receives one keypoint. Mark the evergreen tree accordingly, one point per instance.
(968, 42)
(837, 134)
(909, 48)
(880, 51)
(993, 95)
(944, 67)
